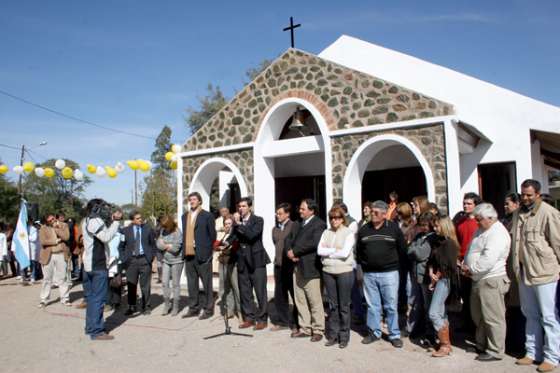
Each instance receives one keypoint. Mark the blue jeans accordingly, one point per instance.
(95, 290)
(437, 313)
(538, 304)
(381, 289)
(418, 323)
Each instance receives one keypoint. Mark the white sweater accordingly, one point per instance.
(488, 252)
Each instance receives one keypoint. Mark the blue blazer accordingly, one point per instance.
(204, 235)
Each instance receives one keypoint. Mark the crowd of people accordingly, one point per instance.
(402, 264)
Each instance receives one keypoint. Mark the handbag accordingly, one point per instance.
(116, 281)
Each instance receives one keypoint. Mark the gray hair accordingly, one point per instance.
(381, 205)
(485, 210)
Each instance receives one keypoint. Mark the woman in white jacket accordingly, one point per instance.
(337, 256)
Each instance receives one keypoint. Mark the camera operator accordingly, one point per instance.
(97, 233)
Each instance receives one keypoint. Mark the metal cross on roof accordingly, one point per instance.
(291, 28)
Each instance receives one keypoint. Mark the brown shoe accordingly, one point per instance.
(299, 334)
(546, 367)
(525, 361)
(82, 306)
(246, 324)
(103, 337)
(444, 342)
(316, 337)
(260, 326)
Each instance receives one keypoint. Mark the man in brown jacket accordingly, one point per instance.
(53, 258)
(536, 263)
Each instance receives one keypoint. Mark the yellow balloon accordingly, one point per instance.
(91, 168)
(67, 173)
(169, 155)
(132, 164)
(173, 165)
(143, 165)
(111, 172)
(3, 169)
(49, 172)
(28, 167)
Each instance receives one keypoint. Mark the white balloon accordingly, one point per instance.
(60, 164)
(119, 167)
(18, 170)
(78, 175)
(100, 171)
(39, 171)
(175, 148)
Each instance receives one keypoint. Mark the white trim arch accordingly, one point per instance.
(207, 173)
(267, 147)
(352, 184)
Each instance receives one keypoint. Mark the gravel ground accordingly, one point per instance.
(52, 339)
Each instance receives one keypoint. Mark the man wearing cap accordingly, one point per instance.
(380, 247)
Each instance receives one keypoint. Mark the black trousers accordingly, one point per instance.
(203, 271)
(139, 270)
(283, 289)
(249, 281)
(339, 296)
(465, 291)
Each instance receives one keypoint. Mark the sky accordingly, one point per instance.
(136, 65)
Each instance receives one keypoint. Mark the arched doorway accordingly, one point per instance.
(384, 164)
(220, 183)
(291, 163)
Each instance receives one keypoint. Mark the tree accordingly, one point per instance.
(56, 195)
(9, 200)
(253, 72)
(208, 106)
(163, 145)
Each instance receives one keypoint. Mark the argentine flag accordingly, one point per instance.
(20, 241)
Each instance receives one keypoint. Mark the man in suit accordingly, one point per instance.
(251, 265)
(137, 256)
(283, 270)
(199, 232)
(302, 249)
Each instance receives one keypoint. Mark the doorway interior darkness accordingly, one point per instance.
(408, 182)
(495, 181)
(295, 188)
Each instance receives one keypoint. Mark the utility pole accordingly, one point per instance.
(20, 184)
(136, 188)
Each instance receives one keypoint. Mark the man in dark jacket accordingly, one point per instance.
(301, 248)
(283, 270)
(380, 248)
(138, 252)
(251, 265)
(199, 232)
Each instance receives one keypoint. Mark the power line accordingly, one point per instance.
(71, 117)
(10, 147)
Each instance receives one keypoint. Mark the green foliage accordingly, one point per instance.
(9, 200)
(253, 72)
(160, 194)
(208, 106)
(56, 195)
(163, 145)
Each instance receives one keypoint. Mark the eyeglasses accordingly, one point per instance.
(336, 217)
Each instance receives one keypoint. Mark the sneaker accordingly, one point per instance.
(397, 342)
(67, 303)
(370, 338)
(545, 366)
(102, 337)
(41, 305)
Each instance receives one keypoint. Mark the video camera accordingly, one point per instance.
(98, 208)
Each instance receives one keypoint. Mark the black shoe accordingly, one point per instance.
(206, 315)
(330, 342)
(190, 313)
(370, 338)
(343, 344)
(147, 311)
(397, 342)
(130, 311)
(486, 357)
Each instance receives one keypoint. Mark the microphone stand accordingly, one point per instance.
(228, 328)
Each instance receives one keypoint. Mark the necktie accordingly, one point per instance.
(137, 238)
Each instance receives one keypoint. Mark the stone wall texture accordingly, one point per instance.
(243, 159)
(346, 98)
(429, 140)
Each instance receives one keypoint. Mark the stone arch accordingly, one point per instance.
(352, 184)
(207, 173)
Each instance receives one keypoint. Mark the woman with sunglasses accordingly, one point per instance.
(336, 251)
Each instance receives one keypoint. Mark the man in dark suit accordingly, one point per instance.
(283, 270)
(302, 249)
(137, 256)
(199, 234)
(251, 265)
